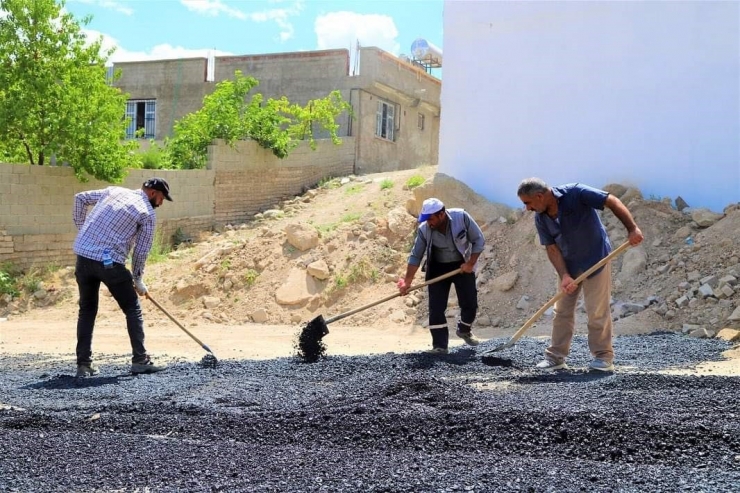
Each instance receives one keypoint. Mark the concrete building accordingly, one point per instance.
(395, 103)
(641, 93)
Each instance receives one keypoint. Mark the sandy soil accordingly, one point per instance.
(52, 331)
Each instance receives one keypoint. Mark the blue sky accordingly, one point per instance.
(157, 29)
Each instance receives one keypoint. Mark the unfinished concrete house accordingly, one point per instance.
(396, 103)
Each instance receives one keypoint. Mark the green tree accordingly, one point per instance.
(228, 114)
(54, 98)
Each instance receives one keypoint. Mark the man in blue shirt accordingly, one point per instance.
(449, 239)
(119, 219)
(575, 239)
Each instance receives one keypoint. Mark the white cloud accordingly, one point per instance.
(213, 8)
(280, 16)
(158, 52)
(345, 29)
(119, 7)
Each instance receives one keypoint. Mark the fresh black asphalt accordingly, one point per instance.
(390, 423)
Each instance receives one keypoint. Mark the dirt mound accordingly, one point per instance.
(349, 244)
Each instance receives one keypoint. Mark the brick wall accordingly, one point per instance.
(36, 202)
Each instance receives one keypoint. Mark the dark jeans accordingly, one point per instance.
(439, 293)
(89, 275)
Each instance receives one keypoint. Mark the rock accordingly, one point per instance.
(729, 335)
(302, 236)
(730, 280)
(273, 214)
(297, 289)
(260, 316)
(318, 269)
(681, 203)
(210, 302)
(693, 276)
(634, 261)
(735, 315)
(705, 291)
(631, 194)
(505, 282)
(705, 218)
(400, 222)
(725, 291)
(701, 333)
(615, 189)
(712, 281)
(523, 303)
(397, 316)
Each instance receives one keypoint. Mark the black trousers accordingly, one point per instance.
(439, 293)
(89, 275)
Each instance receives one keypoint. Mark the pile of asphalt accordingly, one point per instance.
(394, 422)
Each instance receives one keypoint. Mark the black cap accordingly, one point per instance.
(159, 184)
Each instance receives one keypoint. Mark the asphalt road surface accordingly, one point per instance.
(391, 423)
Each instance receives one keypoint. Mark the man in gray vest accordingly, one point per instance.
(450, 239)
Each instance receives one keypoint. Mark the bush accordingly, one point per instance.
(153, 158)
(8, 284)
(414, 181)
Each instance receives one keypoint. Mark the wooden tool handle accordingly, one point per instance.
(176, 322)
(388, 298)
(561, 293)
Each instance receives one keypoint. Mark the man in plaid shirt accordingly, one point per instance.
(120, 219)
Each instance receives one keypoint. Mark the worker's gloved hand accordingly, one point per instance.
(140, 287)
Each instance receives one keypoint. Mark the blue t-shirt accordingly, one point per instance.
(578, 230)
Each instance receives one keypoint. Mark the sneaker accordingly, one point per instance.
(468, 337)
(437, 350)
(146, 367)
(87, 370)
(601, 365)
(550, 365)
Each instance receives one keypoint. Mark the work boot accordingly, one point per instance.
(86, 370)
(437, 350)
(468, 337)
(147, 366)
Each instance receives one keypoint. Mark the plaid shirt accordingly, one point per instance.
(121, 219)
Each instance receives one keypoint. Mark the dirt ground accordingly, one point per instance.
(37, 332)
(242, 267)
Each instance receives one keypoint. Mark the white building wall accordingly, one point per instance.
(641, 93)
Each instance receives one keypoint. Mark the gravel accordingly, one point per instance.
(391, 423)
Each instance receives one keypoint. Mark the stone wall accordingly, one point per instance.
(36, 202)
(250, 179)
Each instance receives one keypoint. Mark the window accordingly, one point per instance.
(420, 121)
(110, 75)
(385, 121)
(140, 116)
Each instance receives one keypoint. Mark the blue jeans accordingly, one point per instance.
(119, 281)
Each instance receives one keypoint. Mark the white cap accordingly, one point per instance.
(429, 207)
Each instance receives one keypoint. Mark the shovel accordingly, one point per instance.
(309, 346)
(519, 333)
(209, 360)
